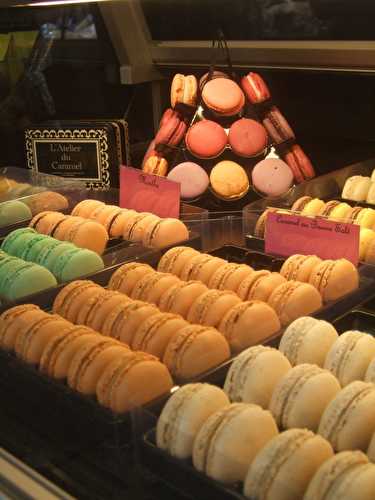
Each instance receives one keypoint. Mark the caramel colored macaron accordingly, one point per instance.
(45, 222)
(165, 232)
(299, 267)
(175, 260)
(335, 278)
(294, 299)
(262, 288)
(8, 333)
(210, 307)
(126, 277)
(156, 165)
(129, 318)
(229, 180)
(230, 276)
(132, 380)
(202, 267)
(86, 207)
(152, 286)
(135, 229)
(194, 350)
(180, 297)
(249, 323)
(85, 234)
(69, 300)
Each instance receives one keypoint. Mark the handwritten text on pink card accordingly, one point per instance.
(288, 234)
(149, 193)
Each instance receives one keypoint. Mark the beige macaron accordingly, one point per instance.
(254, 374)
(302, 395)
(230, 439)
(249, 323)
(184, 414)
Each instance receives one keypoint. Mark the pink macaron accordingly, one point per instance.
(192, 177)
(247, 137)
(206, 139)
(171, 131)
(277, 126)
(300, 163)
(272, 177)
(255, 88)
(223, 96)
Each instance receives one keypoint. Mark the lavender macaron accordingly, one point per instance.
(193, 179)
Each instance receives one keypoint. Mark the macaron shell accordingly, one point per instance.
(127, 276)
(229, 180)
(247, 137)
(249, 323)
(155, 289)
(223, 96)
(90, 235)
(17, 331)
(210, 308)
(255, 88)
(164, 233)
(371, 449)
(272, 177)
(76, 263)
(7, 318)
(313, 207)
(184, 414)
(245, 287)
(194, 350)
(86, 207)
(180, 297)
(334, 279)
(29, 280)
(134, 230)
(263, 287)
(192, 178)
(133, 320)
(230, 276)
(175, 260)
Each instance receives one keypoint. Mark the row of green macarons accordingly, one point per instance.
(64, 260)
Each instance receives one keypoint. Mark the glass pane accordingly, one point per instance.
(260, 19)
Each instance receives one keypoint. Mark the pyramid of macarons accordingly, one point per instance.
(64, 260)
(88, 362)
(138, 227)
(221, 129)
(186, 349)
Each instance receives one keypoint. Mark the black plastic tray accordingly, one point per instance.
(182, 476)
(112, 260)
(357, 319)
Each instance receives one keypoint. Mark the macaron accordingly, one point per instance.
(122, 387)
(175, 260)
(255, 88)
(154, 334)
(8, 333)
(184, 90)
(253, 375)
(75, 263)
(221, 447)
(277, 126)
(334, 278)
(300, 203)
(206, 139)
(366, 218)
(260, 285)
(248, 323)
(210, 75)
(371, 449)
(183, 416)
(299, 163)
(308, 340)
(171, 131)
(350, 356)
(152, 286)
(179, 298)
(348, 422)
(194, 350)
(247, 137)
(284, 467)
(127, 276)
(46, 200)
(68, 296)
(17, 323)
(260, 226)
(210, 308)
(293, 299)
(155, 165)
(45, 222)
(371, 194)
(85, 234)
(301, 396)
(86, 207)
(125, 320)
(223, 96)
(135, 229)
(165, 232)
(202, 267)
(299, 267)
(192, 178)
(272, 177)
(356, 188)
(370, 372)
(11, 243)
(313, 207)
(229, 180)
(14, 211)
(230, 276)
(105, 304)
(346, 475)
(340, 211)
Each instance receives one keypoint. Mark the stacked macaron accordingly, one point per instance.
(187, 350)
(64, 260)
(78, 230)
(290, 299)
(19, 278)
(239, 442)
(137, 227)
(242, 323)
(91, 364)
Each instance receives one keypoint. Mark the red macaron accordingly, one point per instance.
(171, 132)
(206, 139)
(299, 163)
(255, 88)
(247, 137)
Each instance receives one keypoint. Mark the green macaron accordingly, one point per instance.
(76, 263)
(51, 252)
(28, 278)
(11, 243)
(14, 211)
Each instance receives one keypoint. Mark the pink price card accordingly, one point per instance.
(289, 234)
(149, 193)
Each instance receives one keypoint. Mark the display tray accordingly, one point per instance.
(182, 476)
(354, 203)
(357, 319)
(113, 259)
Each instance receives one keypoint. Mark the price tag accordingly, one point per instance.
(149, 193)
(288, 234)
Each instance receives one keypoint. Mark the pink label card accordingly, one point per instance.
(149, 193)
(288, 234)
